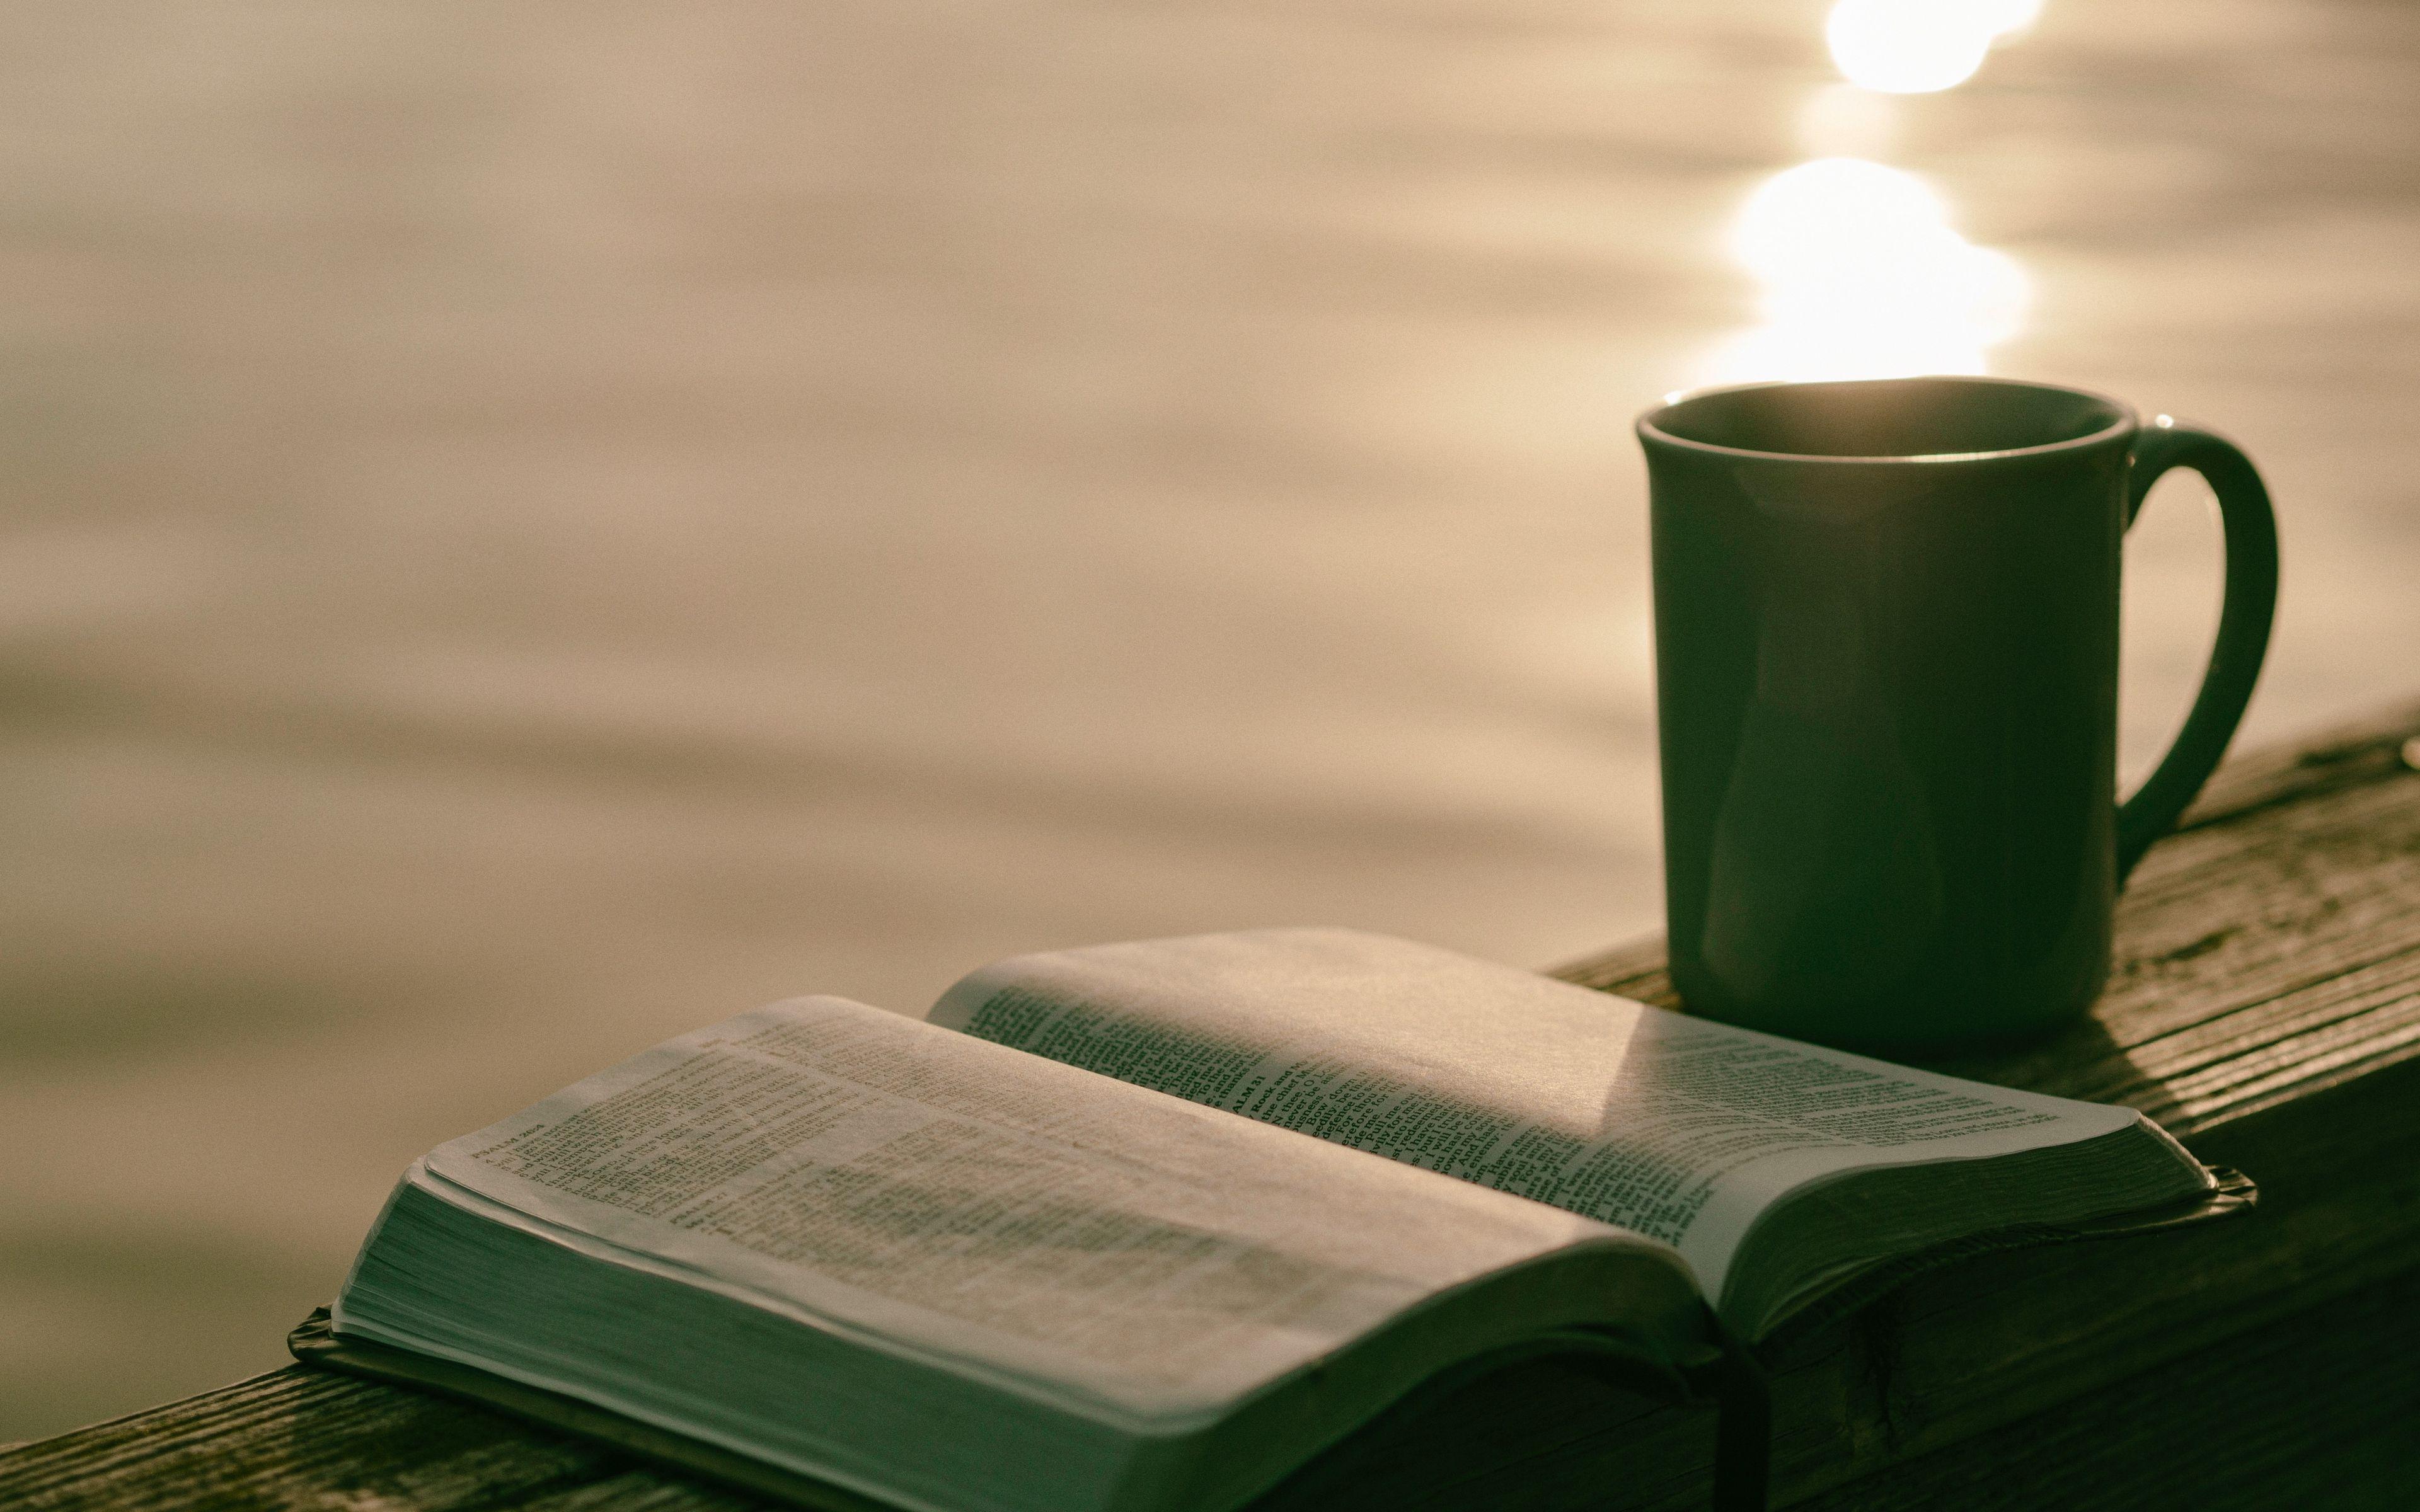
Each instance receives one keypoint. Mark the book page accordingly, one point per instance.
(1677, 1128)
(1018, 1216)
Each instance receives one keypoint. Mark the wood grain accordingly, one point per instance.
(2265, 1003)
(299, 1439)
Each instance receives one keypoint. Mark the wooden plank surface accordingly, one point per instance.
(2267, 1006)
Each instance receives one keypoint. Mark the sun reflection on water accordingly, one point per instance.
(1914, 47)
(1863, 276)
(1861, 271)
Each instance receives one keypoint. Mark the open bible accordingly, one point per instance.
(1149, 1226)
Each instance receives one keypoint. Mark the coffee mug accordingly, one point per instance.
(1886, 680)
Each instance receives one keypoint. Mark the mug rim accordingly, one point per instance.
(2127, 420)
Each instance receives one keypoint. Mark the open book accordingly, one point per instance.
(1148, 1226)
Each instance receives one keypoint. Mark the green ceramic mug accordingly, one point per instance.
(1886, 680)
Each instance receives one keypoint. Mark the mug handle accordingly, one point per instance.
(2243, 619)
